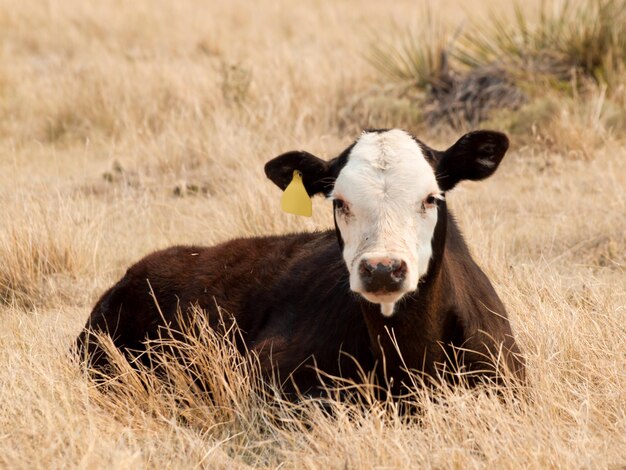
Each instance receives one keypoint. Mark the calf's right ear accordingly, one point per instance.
(315, 171)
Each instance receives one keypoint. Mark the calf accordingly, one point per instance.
(392, 289)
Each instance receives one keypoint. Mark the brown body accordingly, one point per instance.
(290, 298)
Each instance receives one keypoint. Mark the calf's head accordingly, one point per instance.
(388, 193)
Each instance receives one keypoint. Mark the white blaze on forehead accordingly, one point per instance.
(384, 183)
(387, 163)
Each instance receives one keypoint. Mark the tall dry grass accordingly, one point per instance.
(127, 127)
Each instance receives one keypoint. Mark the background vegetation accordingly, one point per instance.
(131, 126)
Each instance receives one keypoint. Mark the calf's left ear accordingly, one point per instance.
(475, 156)
(314, 171)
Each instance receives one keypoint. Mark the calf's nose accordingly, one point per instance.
(382, 274)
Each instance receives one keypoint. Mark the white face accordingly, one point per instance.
(388, 216)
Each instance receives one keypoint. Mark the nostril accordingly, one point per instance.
(399, 270)
(365, 269)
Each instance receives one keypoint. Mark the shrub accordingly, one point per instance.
(502, 63)
(587, 37)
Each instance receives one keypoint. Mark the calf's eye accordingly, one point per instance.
(429, 202)
(342, 207)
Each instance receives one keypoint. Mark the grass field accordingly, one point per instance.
(131, 126)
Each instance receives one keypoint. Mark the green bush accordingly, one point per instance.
(505, 63)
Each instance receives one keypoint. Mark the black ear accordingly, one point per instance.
(475, 156)
(315, 171)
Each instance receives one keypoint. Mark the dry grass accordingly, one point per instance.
(130, 126)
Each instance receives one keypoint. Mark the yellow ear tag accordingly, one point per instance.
(295, 198)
